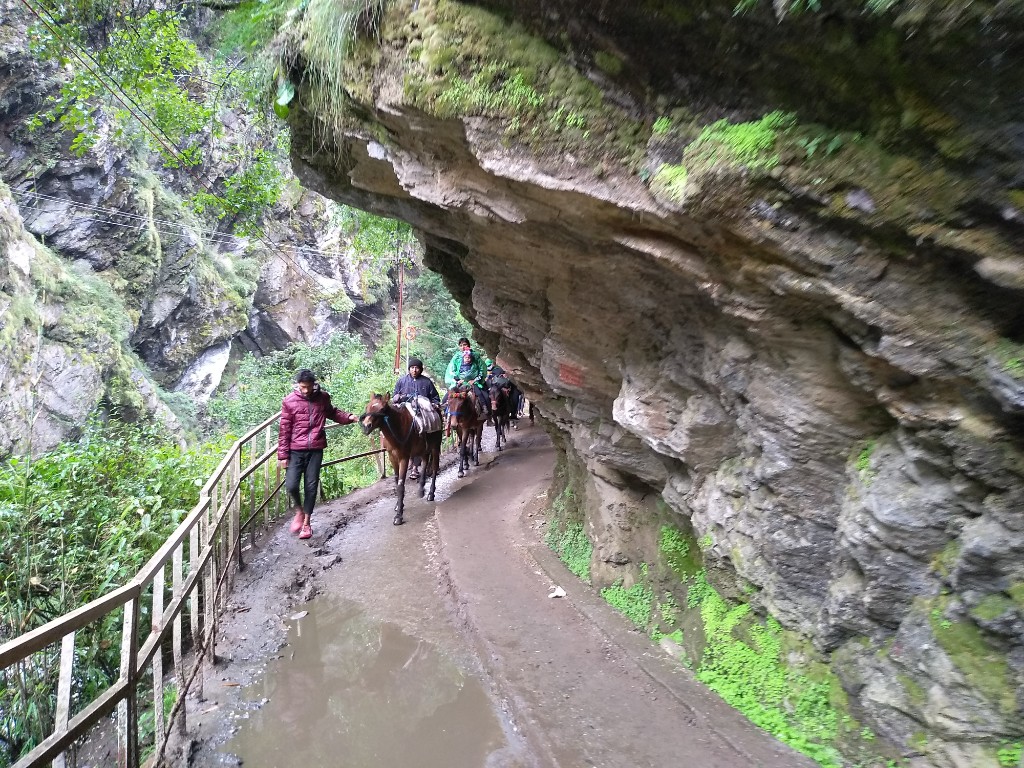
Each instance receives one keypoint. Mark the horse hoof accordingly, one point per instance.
(461, 473)
(430, 497)
(398, 520)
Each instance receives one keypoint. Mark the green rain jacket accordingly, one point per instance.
(476, 371)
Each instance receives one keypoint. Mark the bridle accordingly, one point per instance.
(381, 415)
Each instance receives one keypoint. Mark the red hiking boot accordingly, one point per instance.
(307, 532)
(297, 521)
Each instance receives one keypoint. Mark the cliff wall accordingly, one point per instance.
(762, 278)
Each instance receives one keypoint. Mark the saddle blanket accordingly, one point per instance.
(424, 415)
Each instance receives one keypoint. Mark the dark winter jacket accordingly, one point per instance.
(408, 388)
(303, 422)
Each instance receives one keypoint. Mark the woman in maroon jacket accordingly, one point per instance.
(301, 443)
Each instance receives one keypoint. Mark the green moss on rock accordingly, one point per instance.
(984, 667)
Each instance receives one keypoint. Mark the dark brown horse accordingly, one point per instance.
(501, 407)
(403, 441)
(468, 424)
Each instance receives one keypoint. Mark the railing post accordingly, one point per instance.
(235, 527)
(277, 492)
(158, 659)
(266, 479)
(67, 667)
(127, 708)
(179, 664)
(210, 577)
(194, 537)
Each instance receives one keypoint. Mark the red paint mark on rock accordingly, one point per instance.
(570, 374)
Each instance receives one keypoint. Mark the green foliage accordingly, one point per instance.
(662, 126)
(247, 28)
(810, 144)
(635, 602)
(247, 194)
(567, 537)
(863, 463)
(675, 548)
(496, 90)
(378, 245)
(608, 62)
(324, 32)
(750, 145)
(670, 180)
(78, 522)
(435, 313)
(1011, 357)
(743, 661)
(147, 58)
(1010, 755)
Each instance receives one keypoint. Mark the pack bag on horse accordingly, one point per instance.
(408, 430)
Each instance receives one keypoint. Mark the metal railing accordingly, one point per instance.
(203, 555)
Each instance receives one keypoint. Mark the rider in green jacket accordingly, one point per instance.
(466, 367)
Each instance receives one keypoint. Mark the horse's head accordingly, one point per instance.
(375, 412)
(494, 392)
(457, 399)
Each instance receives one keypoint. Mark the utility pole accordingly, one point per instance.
(401, 292)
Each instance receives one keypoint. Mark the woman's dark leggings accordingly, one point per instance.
(305, 465)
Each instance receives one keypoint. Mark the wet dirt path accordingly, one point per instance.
(435, 643)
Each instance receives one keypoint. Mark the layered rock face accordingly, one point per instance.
(810, 352)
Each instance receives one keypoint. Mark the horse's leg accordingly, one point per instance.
(464, 450)
(424, 468)
(433, 462)
(403, 467)
(478, 438)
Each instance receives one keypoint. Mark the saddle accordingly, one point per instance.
(424, 416)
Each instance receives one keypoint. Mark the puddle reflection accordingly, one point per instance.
(357, 693)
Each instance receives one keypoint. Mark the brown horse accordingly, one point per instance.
(465, 419)
(403, 441)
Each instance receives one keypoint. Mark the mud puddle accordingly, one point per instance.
(353, 691)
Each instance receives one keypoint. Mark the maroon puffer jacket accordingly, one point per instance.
(303, 420)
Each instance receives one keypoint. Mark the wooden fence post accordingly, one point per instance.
(67, 668)
(179, 663)
(127, 708)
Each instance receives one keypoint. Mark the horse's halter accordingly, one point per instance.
(378, 419)
(371, 419)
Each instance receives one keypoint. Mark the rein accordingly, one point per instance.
(391, 429)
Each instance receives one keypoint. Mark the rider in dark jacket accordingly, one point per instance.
(415, 384)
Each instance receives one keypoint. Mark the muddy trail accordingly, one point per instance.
(436, 643)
